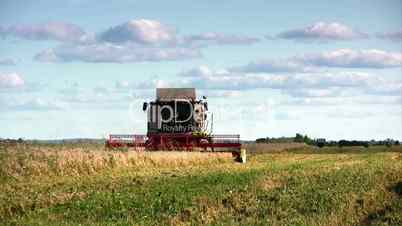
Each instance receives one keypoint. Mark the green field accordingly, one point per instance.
(87, 185)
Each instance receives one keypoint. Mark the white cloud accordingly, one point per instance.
(122, 84)
(357, 100)
(204, 71)
(311, 63)
(274, 66)
(219, 93)
(395, 36)
(12, 80)
(204, 77)
(350, 114)
(385, 88)
(152, 32)
(377, 100)
(32, 104)
(217, 38)
(140, 31)
(232, 93)
(113, 53)
(59, 31)
(322, 31)
(319, 93)
(307, 101)
(149, 84)
(7, 61)
(312, 89)
(349, 58)
(138, 41)
(104, 98)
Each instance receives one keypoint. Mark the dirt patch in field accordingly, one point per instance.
(269, 183)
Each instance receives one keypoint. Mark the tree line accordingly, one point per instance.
(321, 142)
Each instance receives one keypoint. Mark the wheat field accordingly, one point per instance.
(279, 185)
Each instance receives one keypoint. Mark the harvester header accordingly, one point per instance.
(177, 120)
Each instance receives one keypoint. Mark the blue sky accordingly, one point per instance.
(328, 69)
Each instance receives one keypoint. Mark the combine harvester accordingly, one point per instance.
(177, 121)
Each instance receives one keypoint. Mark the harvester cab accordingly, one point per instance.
(176, 111)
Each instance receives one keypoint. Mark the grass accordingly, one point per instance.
(295, 186)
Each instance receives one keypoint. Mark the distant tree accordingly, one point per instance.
(299, 138)
(345, 143)
(307, 140)
(320, 142)
(397, 142)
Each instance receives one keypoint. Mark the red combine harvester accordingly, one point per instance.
(177, 121)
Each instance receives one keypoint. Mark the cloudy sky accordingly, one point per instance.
(76, 68)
